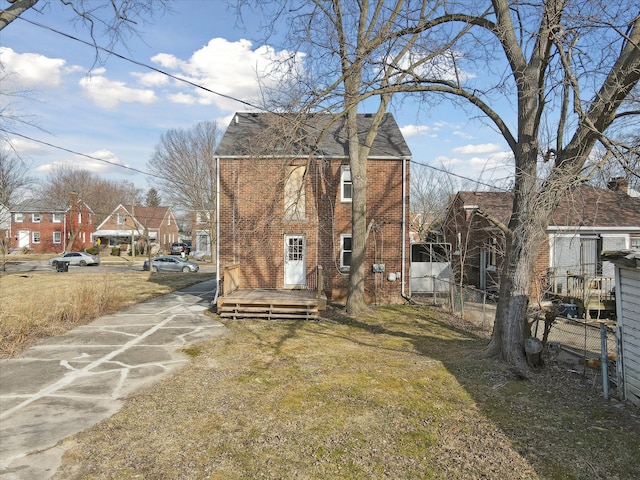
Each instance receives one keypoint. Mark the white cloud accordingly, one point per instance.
(28, 70)
(479, 149)
(415, 130)
(151, 79)
(231, 69)
(183, 98)
(80, 162)
(109, 94)
(27, 147)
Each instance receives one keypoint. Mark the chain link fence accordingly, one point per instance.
(578, 343)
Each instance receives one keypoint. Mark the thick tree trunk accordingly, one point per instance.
(358, 164)
(527, 227)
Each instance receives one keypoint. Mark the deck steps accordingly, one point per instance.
(269, 305)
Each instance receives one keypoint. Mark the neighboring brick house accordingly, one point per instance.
(39, 227)
(285, 203)
(588, 220)
(156, 226)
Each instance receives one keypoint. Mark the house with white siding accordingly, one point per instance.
(569, 264)
(627, 278)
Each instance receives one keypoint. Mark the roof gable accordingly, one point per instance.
(268, 134)
(145, 217)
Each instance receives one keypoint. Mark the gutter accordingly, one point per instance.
(404, 226)
(217, 294)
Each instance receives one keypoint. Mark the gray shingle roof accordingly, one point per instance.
(267, 134)
(583, 205)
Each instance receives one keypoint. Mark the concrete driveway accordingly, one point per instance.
(68, 383)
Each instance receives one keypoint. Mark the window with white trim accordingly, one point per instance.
(79, 217)
(36, 217)
(18, 217)
(346, 186)
(345, 251)
(57, 237)
(635, 243)
(56, 218)
(120, 219)
(35, 237)
(202, 217)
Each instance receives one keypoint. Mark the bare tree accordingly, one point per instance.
(184, 165)
(14, 177)
(112, 19)
(431, 190)
(569, 66)
(102, 196)
(354, 50)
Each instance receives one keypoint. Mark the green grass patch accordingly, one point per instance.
(400, 393)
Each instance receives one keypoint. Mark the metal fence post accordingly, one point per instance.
(604, 360)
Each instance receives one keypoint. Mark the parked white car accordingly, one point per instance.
(77, 258)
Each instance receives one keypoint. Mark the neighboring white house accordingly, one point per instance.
(627, 279)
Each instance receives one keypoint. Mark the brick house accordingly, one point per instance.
(155, 225)
(40, 227)
(285, 204)
(588, 221)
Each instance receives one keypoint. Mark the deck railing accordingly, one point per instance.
(315, 280)
(230, 279)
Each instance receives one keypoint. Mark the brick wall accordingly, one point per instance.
(253, 228)
(43, 234)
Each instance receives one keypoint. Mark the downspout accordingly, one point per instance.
(404, 229)
(217, 294)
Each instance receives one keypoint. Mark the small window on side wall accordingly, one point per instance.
(346, 186)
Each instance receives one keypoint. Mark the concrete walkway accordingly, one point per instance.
(68, 383)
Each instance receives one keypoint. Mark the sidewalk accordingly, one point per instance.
(68, 383)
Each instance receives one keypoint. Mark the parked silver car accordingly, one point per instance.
(171, 264)
(76, 258)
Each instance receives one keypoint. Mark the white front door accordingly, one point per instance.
(23, 238)
(294, 261)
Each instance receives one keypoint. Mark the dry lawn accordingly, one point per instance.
(401, 393)
(47, 303)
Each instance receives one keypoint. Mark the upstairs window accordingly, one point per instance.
(56, 218)
(36, 217)
(120, 219)
(346, 186)
(18, 217)
(203, 217)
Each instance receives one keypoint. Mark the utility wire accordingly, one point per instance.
(201, 87)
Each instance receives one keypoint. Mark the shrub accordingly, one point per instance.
(93, 250)
(115, 251)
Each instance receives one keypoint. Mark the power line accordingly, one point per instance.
(201, 87)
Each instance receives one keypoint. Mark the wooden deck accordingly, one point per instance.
(271, 304)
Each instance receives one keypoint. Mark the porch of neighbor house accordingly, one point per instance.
(237, 302)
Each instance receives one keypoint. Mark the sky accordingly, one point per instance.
(114, 112)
